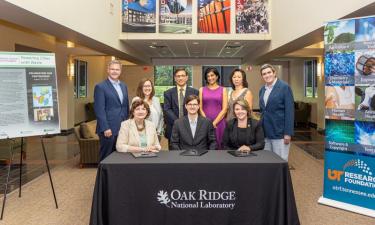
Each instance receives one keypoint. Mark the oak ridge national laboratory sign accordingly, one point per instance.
(199, 199)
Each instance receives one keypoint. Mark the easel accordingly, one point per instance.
(11, 148)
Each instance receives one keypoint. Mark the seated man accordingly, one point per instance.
(193, 131)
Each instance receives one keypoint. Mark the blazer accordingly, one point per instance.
(129, 136)
(156, 114)
(182, 138)
(108, 108)
(255, 135)
(277, 117)
(171, 107)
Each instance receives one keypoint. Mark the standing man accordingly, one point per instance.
(277, 107)
(111, 108)
(174, 99)
(193, 131)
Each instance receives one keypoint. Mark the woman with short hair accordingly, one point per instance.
(137, 134)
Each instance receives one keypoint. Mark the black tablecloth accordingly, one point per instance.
(214, 189)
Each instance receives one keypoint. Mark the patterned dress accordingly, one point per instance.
(212, 101)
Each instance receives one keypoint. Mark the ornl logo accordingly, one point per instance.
(202, 199)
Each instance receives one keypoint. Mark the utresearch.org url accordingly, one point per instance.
(355, 192)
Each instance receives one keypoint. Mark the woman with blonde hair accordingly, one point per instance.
(243, 133)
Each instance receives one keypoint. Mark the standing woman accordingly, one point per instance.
(146, 92)
(214, 103)
(240, 91)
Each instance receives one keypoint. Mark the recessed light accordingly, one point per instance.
(152, 46)
(228, 52)
(195, 43)
(237, 43)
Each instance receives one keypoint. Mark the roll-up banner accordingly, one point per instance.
(349, 166)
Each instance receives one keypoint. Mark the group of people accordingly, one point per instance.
(208, 118)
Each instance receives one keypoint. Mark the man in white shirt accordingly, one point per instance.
(193, 131)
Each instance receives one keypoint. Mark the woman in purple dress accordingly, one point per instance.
(214, 103)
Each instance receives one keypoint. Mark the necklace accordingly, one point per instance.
(140, 128)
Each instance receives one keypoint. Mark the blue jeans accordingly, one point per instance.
(277, 146)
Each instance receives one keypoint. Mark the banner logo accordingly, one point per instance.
(202, 199)
(361, 176)
(334, 174)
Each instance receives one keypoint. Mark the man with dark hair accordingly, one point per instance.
(174, 99)
(111, 108)
(277, 107)
(193, 131)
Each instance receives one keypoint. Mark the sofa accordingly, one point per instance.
(302, 113)
(88, 143)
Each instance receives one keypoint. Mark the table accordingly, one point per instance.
(216, 189)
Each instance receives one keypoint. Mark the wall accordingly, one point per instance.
(10, 35)
(71, 110)
(297, 85)
(131, 75)
(288, 14)
(96, 72)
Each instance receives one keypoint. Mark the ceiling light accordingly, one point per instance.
(70, 44)
(152, 46)
(195, 43)
(237, 43)
(228, 52)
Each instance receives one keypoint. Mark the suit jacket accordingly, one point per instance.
(182, 138)
(129, 136)
(255, 135)
(278, 115)
(171, 107)
(108, 108)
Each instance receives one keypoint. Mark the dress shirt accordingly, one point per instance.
(193, 125)
(116, 85)
(268, 91)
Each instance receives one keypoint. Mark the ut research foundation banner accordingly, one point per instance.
(349, 172)
(28, 90)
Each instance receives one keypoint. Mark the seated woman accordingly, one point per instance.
(138, 134)
(243, 133)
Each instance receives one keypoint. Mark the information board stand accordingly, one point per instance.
(11, 148)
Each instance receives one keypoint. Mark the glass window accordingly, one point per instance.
(310, 78)
(80, 79)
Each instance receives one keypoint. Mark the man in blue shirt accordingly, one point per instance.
(111, 108)
(277, 107)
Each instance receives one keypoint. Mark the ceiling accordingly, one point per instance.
(196, 48)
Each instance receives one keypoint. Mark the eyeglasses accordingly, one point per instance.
(192, 105)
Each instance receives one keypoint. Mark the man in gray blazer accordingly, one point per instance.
(193, 131)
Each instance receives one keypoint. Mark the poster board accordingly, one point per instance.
(28, 95)
(349, 166)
